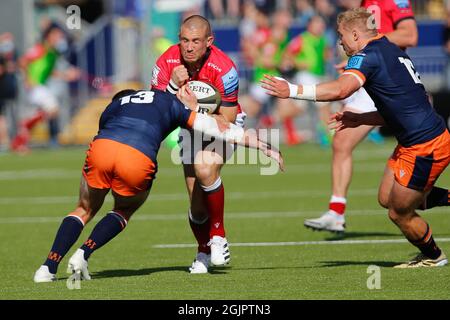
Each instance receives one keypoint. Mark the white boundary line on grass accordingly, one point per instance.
(229, 215)
(297, 243)
(184, 197)
(317, 168)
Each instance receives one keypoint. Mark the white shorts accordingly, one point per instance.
(192, 142)
(258, 93)
(43, 97)
(307, 78)
(360, 101)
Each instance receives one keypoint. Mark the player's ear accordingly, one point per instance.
(209, 41)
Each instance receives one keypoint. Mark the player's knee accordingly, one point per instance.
(398, 217)
(394, 216)
(383, 200)
(84, 210)
(399, 213)
(206, 174)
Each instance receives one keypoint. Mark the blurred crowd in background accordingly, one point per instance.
(118, 42)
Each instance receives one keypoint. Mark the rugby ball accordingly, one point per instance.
(208, 96)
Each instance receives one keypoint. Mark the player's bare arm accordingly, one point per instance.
(228, 113)
(347, 119)
(405, 34)
(224, 130)
(338, 89)
(218, 126)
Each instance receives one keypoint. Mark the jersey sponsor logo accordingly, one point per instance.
(173, 60)
(230, 81)
(355, 62)
(402, 4)
(155, 73)
(215, 67)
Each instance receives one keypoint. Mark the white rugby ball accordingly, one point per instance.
(208, 96)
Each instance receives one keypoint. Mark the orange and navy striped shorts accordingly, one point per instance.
(419, 166)
(113, 165)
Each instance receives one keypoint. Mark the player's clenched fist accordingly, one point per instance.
(179, 75)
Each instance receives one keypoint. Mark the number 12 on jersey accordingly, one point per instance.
(412, 71)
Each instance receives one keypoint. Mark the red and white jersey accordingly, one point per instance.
(388, 13)
(217, 69)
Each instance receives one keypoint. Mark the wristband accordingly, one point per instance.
(172, 87)
(309, 93)
(293, 90)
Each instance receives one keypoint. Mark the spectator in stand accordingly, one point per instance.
(222, 9)
(308, 52)
(267, 61)
(304, 12)
(254, 31)
(38, 65)
(268, 7)
(8, 83)
(447, 49)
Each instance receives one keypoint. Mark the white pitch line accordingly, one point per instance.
(296, 243)
(229, 215)
(229, 170)
(183, 196)
(40, 174)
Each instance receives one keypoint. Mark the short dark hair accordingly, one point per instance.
(52, 26)
(123, 93)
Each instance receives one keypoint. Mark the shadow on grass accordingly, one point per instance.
(144, 272)
(330, 264)
(327, 264)
(350, 235)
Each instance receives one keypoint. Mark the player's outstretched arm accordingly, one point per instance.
(338, 89)
(347, 119)
(218, 127)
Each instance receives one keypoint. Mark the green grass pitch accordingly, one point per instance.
(38, 190)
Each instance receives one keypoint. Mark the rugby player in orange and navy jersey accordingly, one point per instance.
(122, 158)
(423, 151)
(394, 19)
(196, 58)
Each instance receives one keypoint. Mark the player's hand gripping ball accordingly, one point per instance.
(208, 96)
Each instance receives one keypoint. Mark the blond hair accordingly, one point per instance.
(358, 18)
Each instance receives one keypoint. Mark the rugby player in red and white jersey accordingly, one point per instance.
(196, 58)
(394, 19)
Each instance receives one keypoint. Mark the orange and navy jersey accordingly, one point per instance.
(389, 13)
(143, 120)
(217, 69)
(389, 77)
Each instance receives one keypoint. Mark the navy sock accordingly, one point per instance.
(438, 197)
(427, 245)
(106, 229)
(67, 235)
